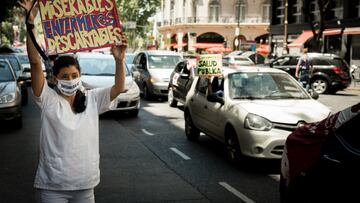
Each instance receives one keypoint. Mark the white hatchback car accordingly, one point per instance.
(98, 70)
(251, 110)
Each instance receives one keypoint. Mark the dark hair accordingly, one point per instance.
(65, 62)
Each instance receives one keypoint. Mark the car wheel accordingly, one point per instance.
(171, 100)
(146, 93)
(319, 85)
(233, 151)
(134, 113)
(191, 131)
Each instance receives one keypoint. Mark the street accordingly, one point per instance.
(149, 159)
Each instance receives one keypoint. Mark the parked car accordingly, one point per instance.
(180, 82)
(98, 70)
(251, 110)
(321, 161)
(24, 61)
(10, 95)
(256, 58)
(331, 73)
(152, 71)
(19, 72)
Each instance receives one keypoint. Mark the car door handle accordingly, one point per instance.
(205, 107)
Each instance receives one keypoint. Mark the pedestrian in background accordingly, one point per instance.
(68, 168)
(304, 69)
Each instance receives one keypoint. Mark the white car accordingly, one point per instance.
(251, 110)
(98, 70)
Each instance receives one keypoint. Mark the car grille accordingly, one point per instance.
(124, 104)
(288, 127)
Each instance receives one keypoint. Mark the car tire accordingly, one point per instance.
(146, 93)
(133, 113)
(171, 100)
(191, 131)
(320, 85)
(18, 123)
(24, 97)
(233, 151)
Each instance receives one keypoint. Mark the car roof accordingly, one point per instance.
(251, 69)
(315, 54)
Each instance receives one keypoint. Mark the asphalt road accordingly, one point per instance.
(148, 159)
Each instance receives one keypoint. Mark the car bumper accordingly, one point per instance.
(341, 84)
(264, 144)
(10, 113)
(160, 89)
(123, 104)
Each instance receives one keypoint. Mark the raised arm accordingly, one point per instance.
(119, 56)
(37, 75)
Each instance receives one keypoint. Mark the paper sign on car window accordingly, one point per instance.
(79, 25)
(209, 65)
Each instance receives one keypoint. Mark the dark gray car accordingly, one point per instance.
(331, 72)
(152, 70)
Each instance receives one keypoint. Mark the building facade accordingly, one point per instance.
(193, 25)
(342, 22)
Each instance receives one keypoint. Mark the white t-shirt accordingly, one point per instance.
(69, 142)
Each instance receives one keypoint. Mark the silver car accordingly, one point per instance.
(10, 95)
(251, 110)
(98, 70)
(152, 70)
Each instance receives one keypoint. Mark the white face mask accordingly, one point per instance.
(69, 87)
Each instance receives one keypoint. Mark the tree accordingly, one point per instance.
(318, 25)
(138, 11)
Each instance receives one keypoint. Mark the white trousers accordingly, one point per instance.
(56, 196)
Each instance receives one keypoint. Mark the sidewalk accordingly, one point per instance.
(354, 86)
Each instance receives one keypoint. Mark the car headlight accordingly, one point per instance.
(133, 89)
(7, 98)
(154, 80)
(255, 122)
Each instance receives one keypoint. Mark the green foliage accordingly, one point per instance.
(138, 11)
(6, 33)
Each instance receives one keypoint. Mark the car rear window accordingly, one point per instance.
(163, 61)
(5, 73)
(338, 62)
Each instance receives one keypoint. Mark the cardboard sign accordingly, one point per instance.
(79, 25)
(209, 65)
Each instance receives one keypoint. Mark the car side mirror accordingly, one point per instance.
(314, 94)
(216, 97)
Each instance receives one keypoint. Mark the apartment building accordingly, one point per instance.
(341, 36)
(195, 25)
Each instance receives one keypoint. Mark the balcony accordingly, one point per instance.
(214, 20)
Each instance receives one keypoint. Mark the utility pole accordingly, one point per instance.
(285, 47)
(237, 30)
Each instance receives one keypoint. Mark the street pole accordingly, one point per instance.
(238, 26)
(285, 47)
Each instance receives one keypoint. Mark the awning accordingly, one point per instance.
(218, 50)
(332, 32)
(207, 45)
(171, 45)
(180, 45)
(303, 37)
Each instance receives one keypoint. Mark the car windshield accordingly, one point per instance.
(264, 86)
(98, 66)
(12, 60)
(5, 73)
(23, 59)
(129, 58)
(163, 61)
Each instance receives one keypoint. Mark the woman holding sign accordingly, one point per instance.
(68, 168)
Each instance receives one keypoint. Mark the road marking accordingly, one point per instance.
(236, 192)
(147, 132)
(180, 153)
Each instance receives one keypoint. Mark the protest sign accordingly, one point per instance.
(79, 25)
(209, 65)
